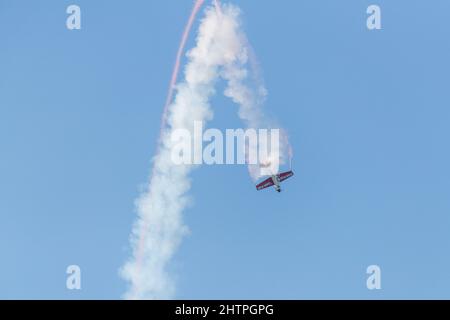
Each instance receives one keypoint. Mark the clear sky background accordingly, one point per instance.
(368, 117)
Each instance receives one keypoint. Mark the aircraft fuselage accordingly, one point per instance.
(276, 183)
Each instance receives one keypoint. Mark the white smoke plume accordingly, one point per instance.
(221, 51)
(246, 88)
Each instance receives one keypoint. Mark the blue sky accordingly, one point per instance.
(367, 113)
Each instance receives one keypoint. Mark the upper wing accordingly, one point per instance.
(285, 175)
(265, 184)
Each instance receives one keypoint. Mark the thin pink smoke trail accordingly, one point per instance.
(176, 70)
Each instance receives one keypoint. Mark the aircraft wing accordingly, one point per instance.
(265, 184)
(285, 175)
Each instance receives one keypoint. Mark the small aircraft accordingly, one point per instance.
(275, 180)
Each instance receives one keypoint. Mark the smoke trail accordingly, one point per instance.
(218, 47)
(245, 86)
(221, 50)
(197, 6)
(187, 30)
(218, 8)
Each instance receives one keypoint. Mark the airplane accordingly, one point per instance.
(275, 180)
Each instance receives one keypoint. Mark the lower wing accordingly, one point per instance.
(265, 184)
